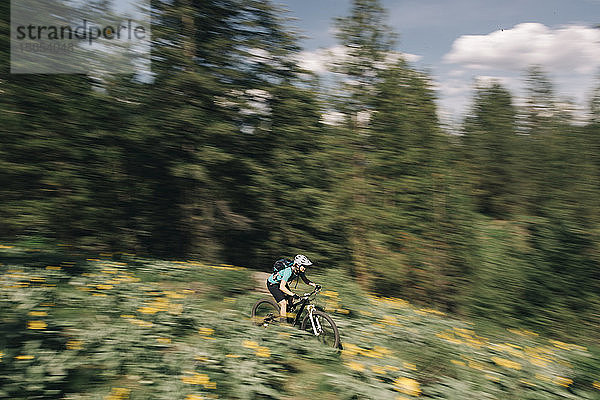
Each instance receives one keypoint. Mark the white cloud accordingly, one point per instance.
(567, 49)
(333, 118)
(318, 61)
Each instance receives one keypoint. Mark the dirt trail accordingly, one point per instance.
(260, 278)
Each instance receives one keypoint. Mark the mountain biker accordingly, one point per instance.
(277, 283)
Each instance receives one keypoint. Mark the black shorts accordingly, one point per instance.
(276, 292)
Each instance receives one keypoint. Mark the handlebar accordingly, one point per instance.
(315, 291)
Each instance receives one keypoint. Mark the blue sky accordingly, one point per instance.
(460, 41)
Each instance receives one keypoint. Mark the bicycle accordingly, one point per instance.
(315, 321)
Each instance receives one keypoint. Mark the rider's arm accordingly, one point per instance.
(284, 289)
(307, 281)
(284, 279)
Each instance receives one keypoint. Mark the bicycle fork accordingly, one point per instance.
(315, 323)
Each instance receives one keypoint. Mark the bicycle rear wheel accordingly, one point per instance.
(264, 312)
(323, 327)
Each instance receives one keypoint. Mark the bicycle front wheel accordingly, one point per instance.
(264, 312)
(322, 326)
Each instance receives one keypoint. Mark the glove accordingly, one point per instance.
(317, 287)
(295, 297)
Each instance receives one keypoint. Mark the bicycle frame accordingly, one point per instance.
(305, 303)
(315, 316)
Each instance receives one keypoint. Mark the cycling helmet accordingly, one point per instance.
(301, 259)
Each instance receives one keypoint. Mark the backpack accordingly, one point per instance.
(282, 264)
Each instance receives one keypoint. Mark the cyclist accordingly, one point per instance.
(277, 283)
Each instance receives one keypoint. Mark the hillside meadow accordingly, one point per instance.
(125, 327)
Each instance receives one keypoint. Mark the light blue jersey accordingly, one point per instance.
(285, 274)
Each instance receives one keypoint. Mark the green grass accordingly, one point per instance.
(150, 329)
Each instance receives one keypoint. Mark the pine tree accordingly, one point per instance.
(490, 142)
(367, 41)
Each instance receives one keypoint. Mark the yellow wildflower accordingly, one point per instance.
(538, 361)
(458, 362)
(389, 320)
(565, 363)
(118, 394)
(432, 311)
(263, 352)
(163, 340)
(206, 331)
(493, 378)
(527, 383)
(38, 313)
(371, 353)
(464, 333)
(382, 350)
(356, 366)
(37, 325)
(474, 343)
(74, 345)
(476, 365)
(350, 349)
(409, 366)
(250, 344)
(596, 384)
(449, 336)
(543, 378)
(26, 357)
(173, 295)
(232, 356)
(194, 397)
(199, 379)
(561, 345)
(142, 323)
(522, 332)
(175, 309)
(378, 370)
(408, 386)
(196, 379)
(565, 382)
(506, 363)
(148, 310)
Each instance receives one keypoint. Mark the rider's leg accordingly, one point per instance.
(283, 310)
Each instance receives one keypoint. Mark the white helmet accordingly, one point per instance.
(301, 259)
